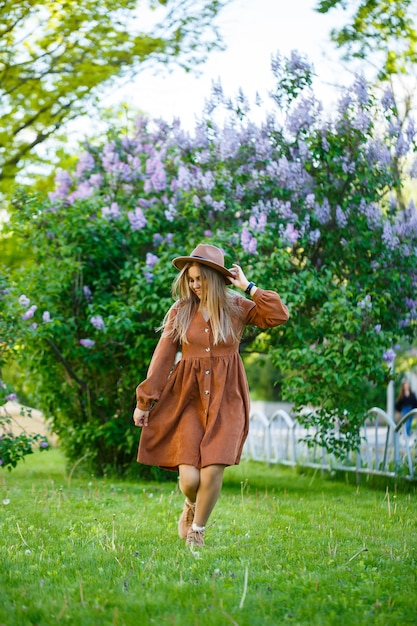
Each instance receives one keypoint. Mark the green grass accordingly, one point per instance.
(282, 548)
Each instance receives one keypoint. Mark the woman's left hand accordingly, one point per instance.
(140, 417)
(239, 279)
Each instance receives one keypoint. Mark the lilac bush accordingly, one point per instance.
(14, 446)
(310, 203)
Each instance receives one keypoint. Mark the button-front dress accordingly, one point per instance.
(200, 406)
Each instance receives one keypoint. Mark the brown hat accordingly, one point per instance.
(205, 254)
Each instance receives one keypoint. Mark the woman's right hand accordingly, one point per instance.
(140, 417)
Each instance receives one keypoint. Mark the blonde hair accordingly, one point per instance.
(220, 305)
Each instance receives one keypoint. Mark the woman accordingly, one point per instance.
(406, 401)
(195, 415)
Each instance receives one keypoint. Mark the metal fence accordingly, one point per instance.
(385, 448)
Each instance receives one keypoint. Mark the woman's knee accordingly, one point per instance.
(212, 473)
(189, 479)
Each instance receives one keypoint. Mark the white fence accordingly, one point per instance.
(385, 448)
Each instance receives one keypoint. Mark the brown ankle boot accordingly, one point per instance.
(186, 519)
(195, 538)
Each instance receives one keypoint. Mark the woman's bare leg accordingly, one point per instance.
(211, 478)
(189, 481)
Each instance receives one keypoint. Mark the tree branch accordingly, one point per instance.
(65, 363)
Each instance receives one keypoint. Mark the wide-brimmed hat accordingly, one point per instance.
(205, 254)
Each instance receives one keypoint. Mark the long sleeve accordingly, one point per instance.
(267, 310)
(407, 401)
(159, 370)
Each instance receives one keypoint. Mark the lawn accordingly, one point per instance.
(282, 548)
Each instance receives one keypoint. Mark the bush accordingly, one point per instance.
(309, 205)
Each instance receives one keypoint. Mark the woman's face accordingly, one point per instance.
(195, 280)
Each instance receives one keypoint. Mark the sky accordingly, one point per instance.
(253, 31)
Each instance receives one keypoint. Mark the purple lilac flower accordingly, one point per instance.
(248, 242)
(96, 180)
(325, 143)
(378, 153)
(157, 239)
(410, 131)
(229, 143)
(366, 303)
(411, 304)
(85, 164)
(372, 213)
(43, 444)
(389, 355)
(30, 312)
(394, 128)
(303, 150)
(156, 172)
(145, 203)
(344, 102)
(1, 461)
(341, 217)
(98, 322)
(87, 293)
(110, 158)
(137, 219)
(242, 101)
(310, 201)
(402, 146)
(46, 317)
(219, 205)
(314, 236)
(298, 63)
(34, 326)
(205, 181)
(290, 234)
(24, 301)
(148, 277)
(112, 212)
(301, 117)
(11, 397)
(258, 223)
(276, 62)
(208, 233)
(322, 211)
(377, 328)
(84, 190)
(87, 343)
(151, 260)
(387, 99)
(170, 213)
(285, 210)
(389, 237)
(63, 182)
(360, 87)
(361, 121)
(123, 171)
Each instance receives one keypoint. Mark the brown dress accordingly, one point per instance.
(201, 411)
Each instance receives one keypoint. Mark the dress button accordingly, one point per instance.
(207, 349)
(207, 371)
(206, 392)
